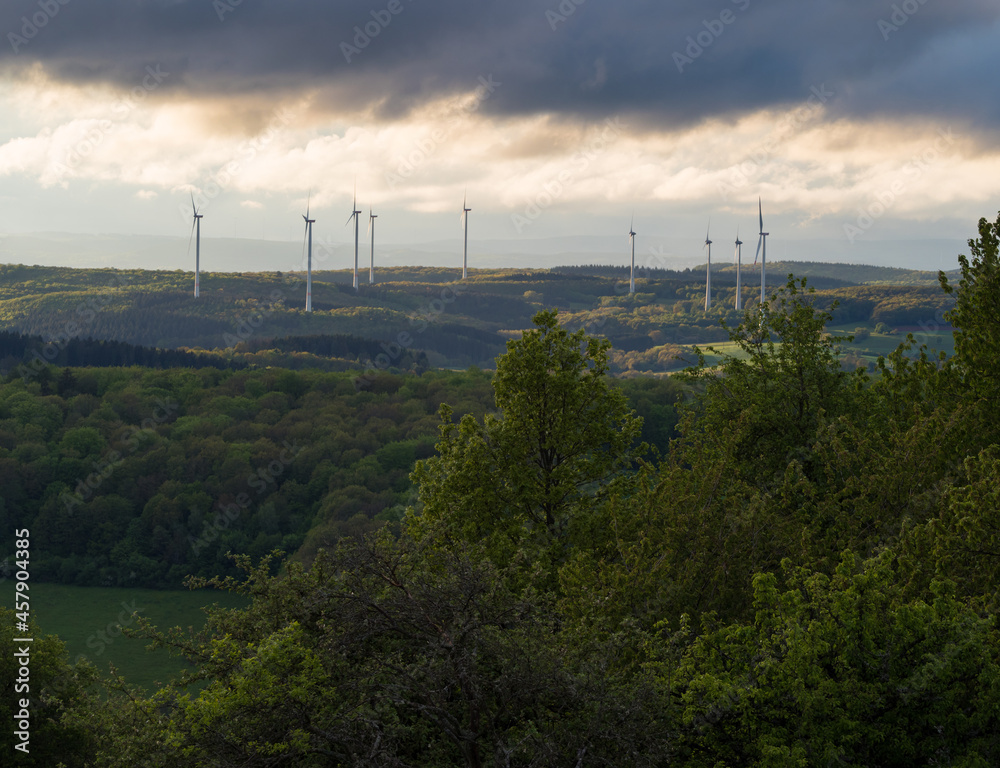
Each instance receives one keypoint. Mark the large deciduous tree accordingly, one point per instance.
(976, 315)
(387, 653)
(976, 318)
(525, 475)
(841, 670)
(764, 401)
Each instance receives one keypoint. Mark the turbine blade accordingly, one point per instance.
(194, 210)
(191, 237)
(759, 241)
(760, 212)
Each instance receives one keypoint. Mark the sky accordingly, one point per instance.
(852, 122)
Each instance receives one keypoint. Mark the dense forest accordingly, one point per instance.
(433, 318)
(769, 559)
(138, 477)
(805, 574)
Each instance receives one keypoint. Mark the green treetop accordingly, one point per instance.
(764, 404)
(562, 435)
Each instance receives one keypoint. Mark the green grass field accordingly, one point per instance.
(87, 619)
(869, 348)
(883, 343)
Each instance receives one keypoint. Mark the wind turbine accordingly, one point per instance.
(355, 213)
(763, 262)
(465, 222)
(739, 263)
(631, 237)
(309, 261)
(708, 272)
(371, 230)
(196, 225)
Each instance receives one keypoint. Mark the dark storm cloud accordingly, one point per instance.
(667, 62)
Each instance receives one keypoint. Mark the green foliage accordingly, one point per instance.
(766, 404)
(552, 598)
(840, 670)
(977, 333)
(562, 437)
(159, 473)
(962, 543)
(390, 653)
(54, 692)
(414, 318)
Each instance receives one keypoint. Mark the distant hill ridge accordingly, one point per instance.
(418, 317)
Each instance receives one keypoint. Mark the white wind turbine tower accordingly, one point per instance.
(739, 263)
(309, 259)
(763, 262)
(371, 231)
(355, 213)
(631, 238)
(465, 223)
(196, 227)
(708, 272)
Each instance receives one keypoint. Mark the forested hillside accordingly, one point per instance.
(807, 575)
(432, 318)
(129, 476)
